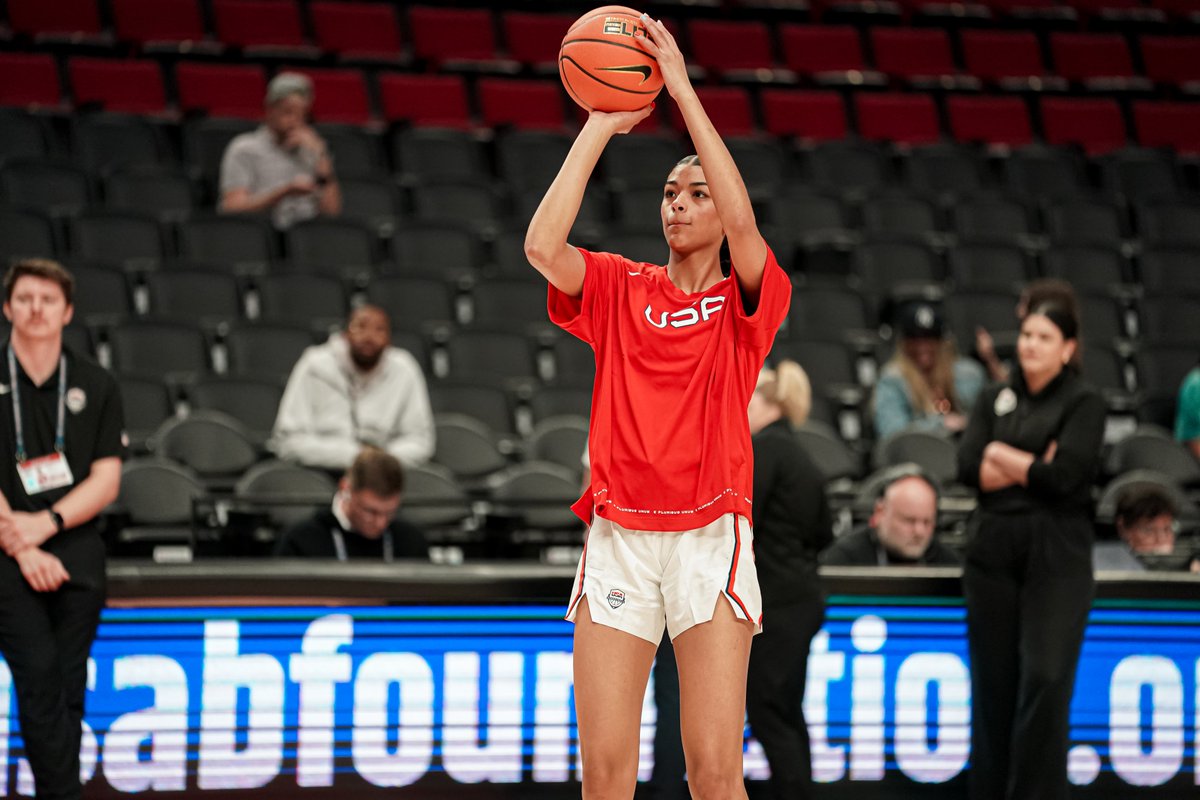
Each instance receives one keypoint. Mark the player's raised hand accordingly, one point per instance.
(662, 45)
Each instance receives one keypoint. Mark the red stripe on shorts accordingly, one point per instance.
(737, 550)
(582, 573)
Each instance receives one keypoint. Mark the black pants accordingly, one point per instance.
(46, 638)
(775, 694)
(666, 781)
(1028, 587)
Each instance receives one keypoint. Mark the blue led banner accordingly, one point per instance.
(210, 698)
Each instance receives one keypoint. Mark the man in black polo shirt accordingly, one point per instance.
(61, 428)
(900, 531)
(362, 521)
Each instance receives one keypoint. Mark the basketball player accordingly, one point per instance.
(678, 349)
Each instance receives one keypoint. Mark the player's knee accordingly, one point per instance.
(605, 777)
(713, 779)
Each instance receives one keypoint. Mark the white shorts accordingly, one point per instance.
(637, 581)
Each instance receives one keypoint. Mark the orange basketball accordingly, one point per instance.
(603, 65)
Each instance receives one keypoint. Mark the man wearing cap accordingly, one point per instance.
(900, 531)
(926, 385)
(283, 167)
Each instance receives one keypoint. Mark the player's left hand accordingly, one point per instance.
(659, 43)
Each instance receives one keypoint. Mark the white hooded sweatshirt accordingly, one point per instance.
(331, 408)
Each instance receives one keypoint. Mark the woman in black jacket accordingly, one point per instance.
(792, 524)
(1031, 448)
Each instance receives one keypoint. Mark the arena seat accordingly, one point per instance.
(521, 104)
(223, 90)
(357, 31)
(827, 54)
(989, 120)
(812, 115)
(436, 100)
(133, 86)
(262, 27)
(895, 117)
(1093, 123)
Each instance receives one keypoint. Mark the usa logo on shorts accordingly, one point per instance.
(616, 598)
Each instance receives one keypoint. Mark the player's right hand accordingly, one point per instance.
(617, 122)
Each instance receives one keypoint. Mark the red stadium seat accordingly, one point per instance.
(258, 24)
(1174, 125)
(912, 52)
(819, 49)
(995, 55)
(452, 34)
(724, 46)
(339, 95)
(992, 120)
(728, 107)
(1172, 59)
(1095, 124)
(146, 21)
(1081, 56)
(904, 118)
(134, 87)
(534, 39)
(30, 79)
(523, 104)
(434, 100)
(221, 90)
(819, 116)
(357, 30)
(41, 17)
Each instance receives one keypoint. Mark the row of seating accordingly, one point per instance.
(344, 95)
(532, 367)
(125, 149)
(510, 38)
(222, 501)
(899, 242)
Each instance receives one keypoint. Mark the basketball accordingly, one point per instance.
(603, 65)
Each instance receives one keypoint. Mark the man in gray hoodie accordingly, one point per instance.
(355, 390)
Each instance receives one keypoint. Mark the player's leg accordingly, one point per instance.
(611, 671)
(713, 658)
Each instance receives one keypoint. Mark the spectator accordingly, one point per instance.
(1031, 449)
(61, 425)
(362, 521)
(355, 390)
(1146, 524)
(1187, 414)
(925, 385)
(792, 523)
(1035, 293)
(283, 167)
(900, 531)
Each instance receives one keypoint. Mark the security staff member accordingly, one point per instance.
(1031, 448)
(61, 428)
(362, 521)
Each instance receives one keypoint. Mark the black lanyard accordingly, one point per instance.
(60, 441)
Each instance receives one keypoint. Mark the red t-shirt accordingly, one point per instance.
(670, 441)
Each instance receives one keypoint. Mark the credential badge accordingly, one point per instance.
(1006, 401)
(76, 399)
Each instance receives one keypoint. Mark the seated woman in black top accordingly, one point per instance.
(362, 521)
(1031, 448)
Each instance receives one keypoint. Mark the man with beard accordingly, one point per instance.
(900, 531)
(355, 390)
